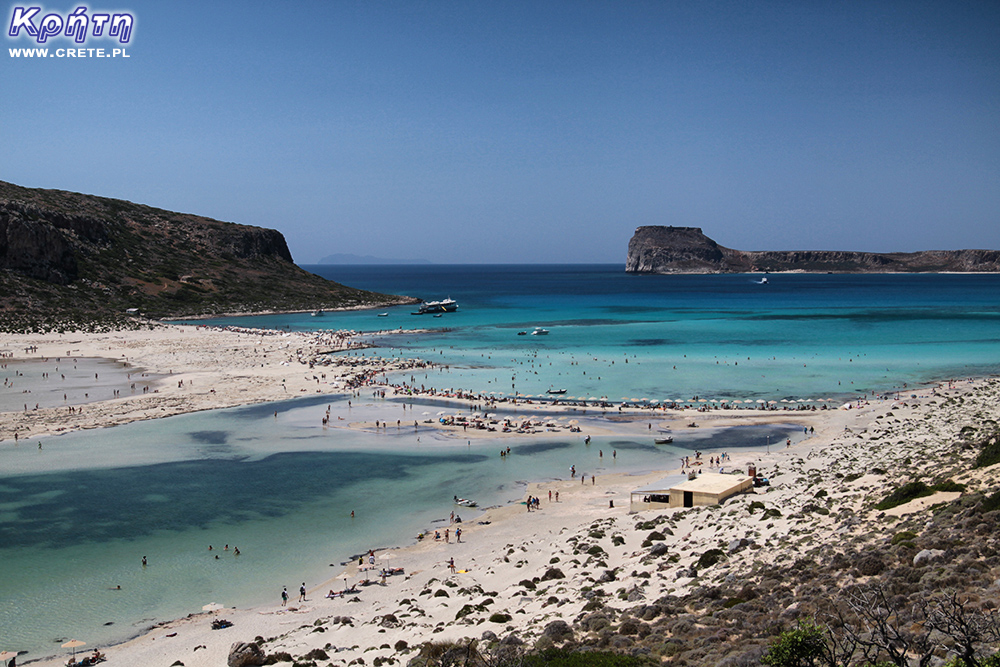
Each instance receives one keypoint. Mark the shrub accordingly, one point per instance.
(904, 494)
(990, 452)
(990, 503)
(563, 658)
(949, 486)
(800, 647)
(903, 536)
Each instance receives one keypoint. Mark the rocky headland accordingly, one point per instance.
(70, 257)
(661, 249)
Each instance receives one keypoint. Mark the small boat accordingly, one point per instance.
(556, 391)
(663, 441)
(465, 502)
(316, 313)
(522, 333)
(383, 314)
(445, 306)
(540, 332)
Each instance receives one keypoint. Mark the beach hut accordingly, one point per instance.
(709, 488)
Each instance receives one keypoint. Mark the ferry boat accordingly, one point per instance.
(444, 306)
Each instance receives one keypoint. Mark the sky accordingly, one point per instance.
(527, 132)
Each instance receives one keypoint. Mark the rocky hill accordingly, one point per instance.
(67, 256)
(659, 249)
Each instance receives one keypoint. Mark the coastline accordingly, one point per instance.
(530, 542)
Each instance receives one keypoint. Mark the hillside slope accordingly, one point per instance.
(70, 256)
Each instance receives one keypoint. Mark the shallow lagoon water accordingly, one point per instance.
(77, 517)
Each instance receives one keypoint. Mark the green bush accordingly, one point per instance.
(562, 658)
(800, 647)
(990, 503)
(903, 536)
(904, 494)
(949, 486)
(989, 454)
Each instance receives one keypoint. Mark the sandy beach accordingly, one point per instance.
(516, 571)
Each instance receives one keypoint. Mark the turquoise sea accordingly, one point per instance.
(77, 517)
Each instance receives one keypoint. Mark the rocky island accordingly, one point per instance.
(661, 249)
(71, 257)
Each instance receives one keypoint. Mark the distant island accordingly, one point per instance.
(347, 258)
(660, 249)
(69, 259)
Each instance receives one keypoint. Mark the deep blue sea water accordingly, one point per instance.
(76, 518)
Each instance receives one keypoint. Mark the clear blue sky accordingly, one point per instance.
(535, 131)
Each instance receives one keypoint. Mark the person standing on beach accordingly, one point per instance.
(302, 592)
(284, 596)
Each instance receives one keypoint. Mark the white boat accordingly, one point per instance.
(316, 313)
(555, 391)
(465, 502)
(383, 314)
(443, 306)
(663, 441)
(540, 332)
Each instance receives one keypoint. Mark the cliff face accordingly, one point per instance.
(658, 249)
(69, 252)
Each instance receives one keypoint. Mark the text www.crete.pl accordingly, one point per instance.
(68, 53)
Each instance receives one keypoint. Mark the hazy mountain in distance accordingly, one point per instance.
(347, 258)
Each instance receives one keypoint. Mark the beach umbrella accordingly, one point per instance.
(212, 606)
(74, 644)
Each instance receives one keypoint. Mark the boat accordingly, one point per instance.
(465, 502)
(522, 333)
(556, 391)
(540, 332)
(316, 313)
(383, 314)
(443, 306)
(663, 441)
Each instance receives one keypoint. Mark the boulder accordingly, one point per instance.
(242, 654)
